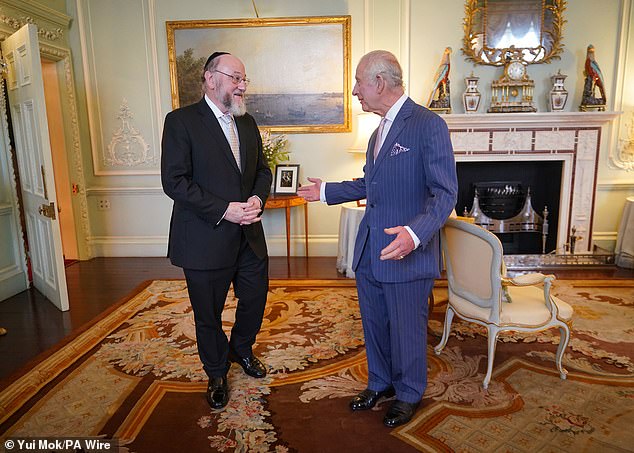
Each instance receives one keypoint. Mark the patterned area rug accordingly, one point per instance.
(135, 376)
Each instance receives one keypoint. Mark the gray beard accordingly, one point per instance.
(235, 108)
(238, 109)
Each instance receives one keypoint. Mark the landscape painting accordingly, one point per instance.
(299, 68)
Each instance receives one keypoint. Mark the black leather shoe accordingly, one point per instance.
(399, 413)
(218, 392)
(367, 399)
(251, 365)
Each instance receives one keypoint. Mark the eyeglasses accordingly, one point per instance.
(236, 79)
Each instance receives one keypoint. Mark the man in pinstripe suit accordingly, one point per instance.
(410, 186)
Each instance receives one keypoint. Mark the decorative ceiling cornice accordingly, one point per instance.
(50, 35)
(51, 24)
(38, 11)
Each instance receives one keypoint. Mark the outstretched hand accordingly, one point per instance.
(310, 192)
(400, 247)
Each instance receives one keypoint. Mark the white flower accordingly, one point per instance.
(274, 148)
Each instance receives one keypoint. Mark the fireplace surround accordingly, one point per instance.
(573, 138)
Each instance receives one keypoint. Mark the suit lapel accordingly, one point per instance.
(390, 140)
(217, 134)
(369, 154)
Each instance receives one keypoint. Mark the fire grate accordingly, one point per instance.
(504, 207)
(500, 200)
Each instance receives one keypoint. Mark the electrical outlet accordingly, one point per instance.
(103, 204)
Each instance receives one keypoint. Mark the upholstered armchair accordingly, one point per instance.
(479, 291)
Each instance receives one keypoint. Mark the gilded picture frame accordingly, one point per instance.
(299, 68)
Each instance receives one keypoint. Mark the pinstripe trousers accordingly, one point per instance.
(394, 317)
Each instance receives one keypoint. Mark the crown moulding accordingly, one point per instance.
(35, 11)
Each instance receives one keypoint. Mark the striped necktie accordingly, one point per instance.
(232, 137)
(377, 141)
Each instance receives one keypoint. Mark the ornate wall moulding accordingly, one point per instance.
(51, 24)
(77, 167)
(127, 147)
(11, 173)
(624, 156)
(16, 24)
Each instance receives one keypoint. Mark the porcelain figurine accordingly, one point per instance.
(439, 99)
(558, 95)
(471, 97)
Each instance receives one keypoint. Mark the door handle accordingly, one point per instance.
(48, 210)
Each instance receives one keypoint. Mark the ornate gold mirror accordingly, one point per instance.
(495, 28)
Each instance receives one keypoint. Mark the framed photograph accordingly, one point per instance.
(299, 68)
(286, 179)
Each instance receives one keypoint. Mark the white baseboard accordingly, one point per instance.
(128, 246)
(12, 281)
(138, 246)
(605, 239)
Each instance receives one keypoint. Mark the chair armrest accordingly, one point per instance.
(532, 279)
(465, 219)
(527, 279)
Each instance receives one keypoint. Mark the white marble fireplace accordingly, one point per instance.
(572, 137)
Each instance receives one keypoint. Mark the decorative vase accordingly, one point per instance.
(471, 96)
(558, 95)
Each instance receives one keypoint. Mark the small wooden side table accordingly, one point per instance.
(276, 201)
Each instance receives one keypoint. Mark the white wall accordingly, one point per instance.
(120, 53)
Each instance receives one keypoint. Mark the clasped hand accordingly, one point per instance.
(244, 213)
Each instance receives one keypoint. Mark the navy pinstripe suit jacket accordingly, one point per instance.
(413, 182)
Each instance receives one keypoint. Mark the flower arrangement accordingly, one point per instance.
(274, 148)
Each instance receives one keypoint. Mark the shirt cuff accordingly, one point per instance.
(414, 237)
(223, 216)
(322, 192)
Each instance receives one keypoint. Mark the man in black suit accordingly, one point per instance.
(213, 167)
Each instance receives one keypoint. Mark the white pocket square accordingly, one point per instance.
(398, 149)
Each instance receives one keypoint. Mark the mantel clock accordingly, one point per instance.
(513, 92)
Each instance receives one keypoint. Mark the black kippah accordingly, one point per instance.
(214, 55)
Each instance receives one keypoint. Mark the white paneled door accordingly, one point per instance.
(33, 149)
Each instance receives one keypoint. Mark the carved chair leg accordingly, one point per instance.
(445, 331)
(563, 342)
(492, 343)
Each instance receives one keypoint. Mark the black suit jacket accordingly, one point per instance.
(200, 174)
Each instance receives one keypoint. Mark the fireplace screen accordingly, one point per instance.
(505, 204)
(505, 207)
